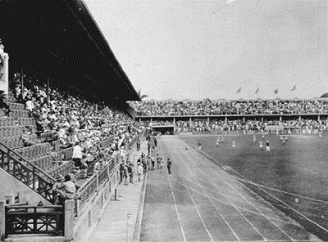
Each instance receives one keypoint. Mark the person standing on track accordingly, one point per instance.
(140, 171)
(152, 163)
(158, 161)
(169, 164)
(161, 164)
(130, 172)
(267, 145)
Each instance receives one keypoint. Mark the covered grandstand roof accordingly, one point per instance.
(61, 39)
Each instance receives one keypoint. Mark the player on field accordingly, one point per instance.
(284, 139)
(261, 145)
(267, 144)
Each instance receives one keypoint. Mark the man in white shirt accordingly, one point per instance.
(30, 104)
(77, 155)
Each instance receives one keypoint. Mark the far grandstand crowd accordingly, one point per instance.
(208, 108)
(231, 107)
(250, 126)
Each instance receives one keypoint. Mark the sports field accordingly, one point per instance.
(292, 176)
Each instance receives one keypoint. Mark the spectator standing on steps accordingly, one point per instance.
(169, 164)
(77, 155)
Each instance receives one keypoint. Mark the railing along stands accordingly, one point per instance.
(89, 189)
(27, 173)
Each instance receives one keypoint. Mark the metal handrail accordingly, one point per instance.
(26, 172)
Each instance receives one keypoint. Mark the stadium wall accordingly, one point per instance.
(10, 187)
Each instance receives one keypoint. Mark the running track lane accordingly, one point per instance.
(200, 202)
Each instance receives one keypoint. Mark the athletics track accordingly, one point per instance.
(201, 202)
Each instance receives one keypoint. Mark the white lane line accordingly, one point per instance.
(227, 198)
(209, 234)
(302, 215)
(228, 203)
(233, 232)
(209, 200)
(265, 216)
(259, 211)
(176, 209)
(174, 200)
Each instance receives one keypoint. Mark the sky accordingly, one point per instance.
(187, 49)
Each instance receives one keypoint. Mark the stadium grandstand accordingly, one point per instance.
(296, 116)
(64, 120)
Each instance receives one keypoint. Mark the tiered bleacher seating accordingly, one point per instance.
(46, 155)
(10, 132)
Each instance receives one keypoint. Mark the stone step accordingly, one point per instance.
(34, 238)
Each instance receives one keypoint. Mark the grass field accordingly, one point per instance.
(293, 176)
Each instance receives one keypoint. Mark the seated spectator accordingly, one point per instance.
(57, 190)
(98, 166)
(28, 138)
(62, 136)
(3, 104)
(64, 188)
(69, 188)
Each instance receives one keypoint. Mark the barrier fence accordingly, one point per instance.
(34, 220)
(89, 189)
(27, 173)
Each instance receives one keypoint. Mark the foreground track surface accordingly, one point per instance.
(201, 202)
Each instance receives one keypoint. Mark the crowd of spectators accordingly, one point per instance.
(75, 122)
(231, 107)
(246, 126)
